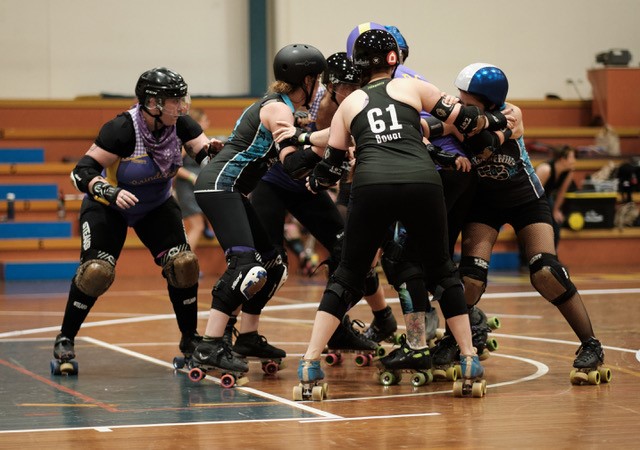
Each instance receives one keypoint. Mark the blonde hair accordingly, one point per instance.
(280, 87)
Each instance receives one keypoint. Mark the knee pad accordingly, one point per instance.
(550, 278)
(474, 272)
(277, 274)
(343, 291)
(94, 277)
(242, 280)
(180, 266)
(372, 282)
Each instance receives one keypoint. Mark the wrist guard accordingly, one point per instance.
(328, 171)
(496, 120)
(507, 132)
(440, 157)
(205, 155)
(105, 192)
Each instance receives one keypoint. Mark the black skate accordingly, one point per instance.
(481, 326)
(64, 354)
(215, 354)
(188, 343)
(349, 340)
(383, 330)
(444, 359)
(254, 345)
(588, 365)
(405, 359)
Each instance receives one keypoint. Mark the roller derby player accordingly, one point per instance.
(127, 175)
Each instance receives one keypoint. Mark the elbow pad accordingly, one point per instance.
(328, 171)
(299, 163)
(85, 171)
(468, 118)
(436, 127)
(497, 120)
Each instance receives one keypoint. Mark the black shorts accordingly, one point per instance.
(536, 211)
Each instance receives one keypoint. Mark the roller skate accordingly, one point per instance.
(213, 354)
(444, 358)
(383, 329)
(481, 326)
(64, 354)
(254, 345)
(588, 367)
(349, 340)
(188, 343)
(471, 383)
(310, 387)
(405, 359)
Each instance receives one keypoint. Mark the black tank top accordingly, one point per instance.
(389, 147)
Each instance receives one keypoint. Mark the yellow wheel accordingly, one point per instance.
(605, 374)
(457, 388)
(317, 394)
(494, 323)
(297, 393)
(325, 389)
(594, 377)
(477, 389)
(387, 379)
(576, 221)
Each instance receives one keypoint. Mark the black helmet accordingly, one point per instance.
(375, 49)
(340, 70)
(160, 82)
(295, 61)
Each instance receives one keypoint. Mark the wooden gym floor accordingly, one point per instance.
(127, 394)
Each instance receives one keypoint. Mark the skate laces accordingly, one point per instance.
(590, 348)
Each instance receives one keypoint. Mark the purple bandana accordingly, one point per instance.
(165, 150)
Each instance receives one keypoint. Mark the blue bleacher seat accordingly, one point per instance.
(37, 270)
(21, 155)
(31, 191)
(35, 230)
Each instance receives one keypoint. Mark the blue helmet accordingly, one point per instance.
(402, 42)
(357, 31)
(484, 80)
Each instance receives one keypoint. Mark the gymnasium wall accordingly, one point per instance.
(62, 49)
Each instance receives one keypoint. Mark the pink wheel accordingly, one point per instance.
(332, 359)
(227, 380)
(361, 360)
(196, 374)
(270, 368)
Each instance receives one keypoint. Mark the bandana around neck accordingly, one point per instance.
(164, 150)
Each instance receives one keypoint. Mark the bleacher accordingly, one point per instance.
(41, 140)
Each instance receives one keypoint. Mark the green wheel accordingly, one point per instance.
(492, 345)
(494, 323)
(418, 379)
(387, 379)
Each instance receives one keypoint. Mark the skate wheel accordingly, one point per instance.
(605, 374)
(69, 368)
(492, 345)
(578, 377)
(54, 364)
(457, 388)
(380, 351)
(494, 323)
(478, 389)
(362, 360)
(178, 362)
(325, 389)
(270, 367)
(439, 333)
(227, 380)
(594, 377)
(388, 379)
(317, 393)
(333, 359)
(196, 374)
(484, 355)
(297, 393)
(418, 379)
(453, 373)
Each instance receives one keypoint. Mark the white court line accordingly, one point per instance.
(342, 419)
(217, 380)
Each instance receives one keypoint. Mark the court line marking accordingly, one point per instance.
(541, 370)
(343, 419)
(249, 390)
